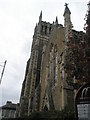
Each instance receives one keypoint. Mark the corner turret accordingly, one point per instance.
(67, 11)
(67, 23)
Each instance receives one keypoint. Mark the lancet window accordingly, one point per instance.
(53, 65)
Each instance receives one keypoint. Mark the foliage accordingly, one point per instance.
(78, 55)
(54, 115)
(66, 114)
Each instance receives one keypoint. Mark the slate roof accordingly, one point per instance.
(9, 105)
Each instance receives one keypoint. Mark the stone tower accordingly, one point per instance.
(30, 94)
(46, 85)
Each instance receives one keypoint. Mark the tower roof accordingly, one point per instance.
(66, 9)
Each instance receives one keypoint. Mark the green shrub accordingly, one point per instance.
(66, 114)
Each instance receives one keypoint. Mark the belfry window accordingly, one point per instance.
(49, 29)
(45, 30)
(41, 28)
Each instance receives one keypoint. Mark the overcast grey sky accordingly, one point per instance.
(17, 21)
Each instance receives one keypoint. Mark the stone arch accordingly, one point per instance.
(45, 108)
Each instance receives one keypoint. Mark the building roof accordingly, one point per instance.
(9, 105)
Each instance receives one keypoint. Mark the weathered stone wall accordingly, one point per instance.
(56, 38)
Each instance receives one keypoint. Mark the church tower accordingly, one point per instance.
(30, 95)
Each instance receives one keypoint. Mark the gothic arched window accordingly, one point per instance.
(55, 65)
